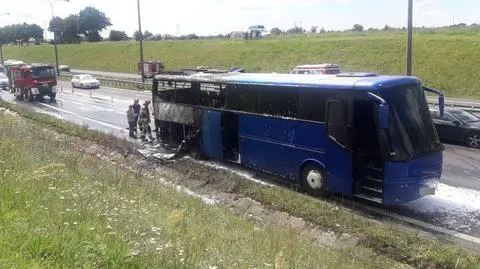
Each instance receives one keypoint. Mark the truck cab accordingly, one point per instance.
(33, 82)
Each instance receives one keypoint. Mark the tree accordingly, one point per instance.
(357, 28)
(117, 36)
(147, 35)
(295, 30)
(313, 29)
(35, 31)
(91, 22)
(276, 31)
(70, 30)
(55, 26)
(137, 35)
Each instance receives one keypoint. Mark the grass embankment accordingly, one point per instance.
(394, 243)
(63, 209)
(446, 60)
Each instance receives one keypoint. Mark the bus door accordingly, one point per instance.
(212, 133)
(366, 147)
(338, 159)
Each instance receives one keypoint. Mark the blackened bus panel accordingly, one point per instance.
(212, 133)
(177, 113)
(283, 146)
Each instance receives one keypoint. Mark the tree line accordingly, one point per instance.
(20, 34)
(86, 25)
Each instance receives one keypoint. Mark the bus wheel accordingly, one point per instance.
(313, 179)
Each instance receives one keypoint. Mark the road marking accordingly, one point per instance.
(82, 117)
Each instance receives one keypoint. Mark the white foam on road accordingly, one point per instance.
(457, 208)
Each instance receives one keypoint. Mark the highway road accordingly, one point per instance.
(456, 205)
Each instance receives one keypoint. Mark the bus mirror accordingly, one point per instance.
(441, 104)
(383, 115)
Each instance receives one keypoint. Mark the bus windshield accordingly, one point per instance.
(43, 72)
(412, 131)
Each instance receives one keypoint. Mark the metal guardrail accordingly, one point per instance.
(473, 107)
(115, 83)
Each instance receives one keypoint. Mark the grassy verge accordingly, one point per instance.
(62, 209)
(446, 60)
(399, 245)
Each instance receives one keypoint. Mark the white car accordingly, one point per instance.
(85, 82)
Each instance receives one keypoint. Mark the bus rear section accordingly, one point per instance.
(328, 136)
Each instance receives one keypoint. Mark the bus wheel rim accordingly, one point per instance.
(315, 179)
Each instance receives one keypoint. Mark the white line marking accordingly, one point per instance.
(82, 117)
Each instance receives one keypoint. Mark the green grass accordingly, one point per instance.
(390, 241)
(60, 208)
(447, 60)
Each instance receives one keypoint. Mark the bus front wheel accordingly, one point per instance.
(313, 179)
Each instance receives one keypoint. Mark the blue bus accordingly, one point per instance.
(355, 134)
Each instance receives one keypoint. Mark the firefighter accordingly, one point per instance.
(144, 120)
(132, 121)
(136, 109)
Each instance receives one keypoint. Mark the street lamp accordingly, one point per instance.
(141, 41)
(55, 32)
(410, 37)
(1, 44)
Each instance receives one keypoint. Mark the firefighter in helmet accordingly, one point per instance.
(144, 121)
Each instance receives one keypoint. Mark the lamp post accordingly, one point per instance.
(55, 33)
(141, 41)
(410, 37)
(1, 43)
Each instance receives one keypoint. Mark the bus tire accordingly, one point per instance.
(313, 179)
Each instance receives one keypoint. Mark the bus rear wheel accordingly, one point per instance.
(313, 179)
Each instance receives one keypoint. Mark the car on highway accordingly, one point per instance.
(457, 125)
(85, 81)
(64, 68)
(4, 84)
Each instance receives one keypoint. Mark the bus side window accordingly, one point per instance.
(242, 98)
(337, 122)
(278, 101)
(312, 105)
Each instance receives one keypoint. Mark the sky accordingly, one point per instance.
(205, 17)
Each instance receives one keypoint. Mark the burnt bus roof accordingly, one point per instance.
(359, 81)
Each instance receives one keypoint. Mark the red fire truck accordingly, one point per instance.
(32, 82)
(150, 68)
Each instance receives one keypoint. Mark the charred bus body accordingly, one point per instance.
(355, 134)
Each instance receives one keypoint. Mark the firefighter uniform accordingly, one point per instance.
(144, 121)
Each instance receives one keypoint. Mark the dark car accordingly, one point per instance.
(457, 125)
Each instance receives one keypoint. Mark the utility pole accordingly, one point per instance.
(1, 43)
(55, 34)
(141, 41)
(410, 37)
